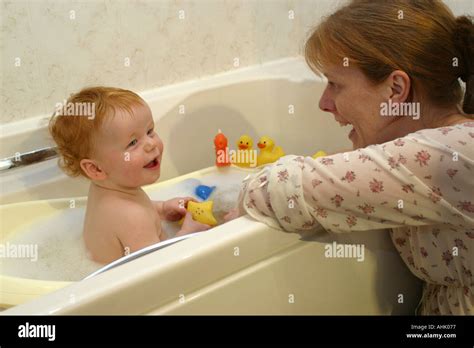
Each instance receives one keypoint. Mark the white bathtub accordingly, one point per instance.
(275, 272)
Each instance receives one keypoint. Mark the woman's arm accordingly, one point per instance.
(413, 180)
(239, 209)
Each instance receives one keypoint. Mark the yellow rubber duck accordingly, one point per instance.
(319, 154)
(268, 152)
(201, 212)
(245, 151)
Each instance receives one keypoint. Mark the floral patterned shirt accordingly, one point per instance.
(421, 187)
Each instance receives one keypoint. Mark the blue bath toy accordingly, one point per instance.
(203, 191)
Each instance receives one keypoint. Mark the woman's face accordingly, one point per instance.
(353, 100)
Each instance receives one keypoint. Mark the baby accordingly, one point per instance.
(117, 149)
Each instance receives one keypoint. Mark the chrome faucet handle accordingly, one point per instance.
(27, 158)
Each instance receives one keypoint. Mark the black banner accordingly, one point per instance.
(140, 330)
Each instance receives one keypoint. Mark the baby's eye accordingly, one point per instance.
(150, 131)
(133, 142)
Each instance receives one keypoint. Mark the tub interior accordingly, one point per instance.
(61, 252)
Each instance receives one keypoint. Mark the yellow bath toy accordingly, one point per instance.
(268, 152)
(201, 212)
(245, 150)
(319, 154)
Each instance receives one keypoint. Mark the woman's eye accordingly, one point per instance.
(333, 85)
(133, 142)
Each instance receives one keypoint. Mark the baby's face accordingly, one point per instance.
(128, 149)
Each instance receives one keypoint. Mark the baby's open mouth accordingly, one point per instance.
(153, 164)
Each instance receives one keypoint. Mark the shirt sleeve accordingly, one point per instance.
(412, 181)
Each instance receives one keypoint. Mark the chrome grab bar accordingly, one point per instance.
(27, 158)
(141, 252)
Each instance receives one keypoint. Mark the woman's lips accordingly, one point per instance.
(344, 123)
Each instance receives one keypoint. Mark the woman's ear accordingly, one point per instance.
(92, 169)
(400, 85)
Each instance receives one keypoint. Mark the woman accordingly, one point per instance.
(393, 69)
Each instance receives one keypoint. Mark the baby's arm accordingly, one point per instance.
(191, 226)
(158, 205)
(172, 209)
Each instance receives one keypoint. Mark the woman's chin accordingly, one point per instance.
(357, 141)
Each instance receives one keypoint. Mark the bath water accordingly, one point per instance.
(62, 255)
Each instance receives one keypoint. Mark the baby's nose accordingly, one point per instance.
(150, 145)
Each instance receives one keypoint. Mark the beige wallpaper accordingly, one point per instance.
(51, 48)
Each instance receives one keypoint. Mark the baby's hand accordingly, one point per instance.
(174, 209)
(190, 226)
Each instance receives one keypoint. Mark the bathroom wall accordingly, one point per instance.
(51, 48)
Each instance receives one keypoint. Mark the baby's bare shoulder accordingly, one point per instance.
(122, 211)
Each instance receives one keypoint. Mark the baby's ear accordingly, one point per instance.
(92, 169)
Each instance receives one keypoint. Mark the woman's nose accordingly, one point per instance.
(326, 103)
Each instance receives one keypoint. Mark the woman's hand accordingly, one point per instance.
(173, 209)
(232, 214)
